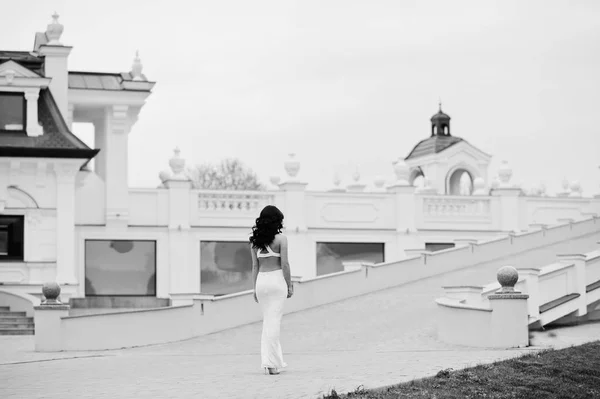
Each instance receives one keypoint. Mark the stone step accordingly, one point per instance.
(8, 313)
(17, 331)
(10, 324)
(16, 318)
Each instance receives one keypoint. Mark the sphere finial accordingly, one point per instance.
(507, 277)
(51, 292)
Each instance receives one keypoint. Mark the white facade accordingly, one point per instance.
(66, 205)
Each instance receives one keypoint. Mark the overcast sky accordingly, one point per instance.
(344, 83)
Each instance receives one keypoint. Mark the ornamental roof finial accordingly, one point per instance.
(136, 68)
(54, 30)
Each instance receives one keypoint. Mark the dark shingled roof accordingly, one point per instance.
(56, 142)
(25, 58)
(433, 145)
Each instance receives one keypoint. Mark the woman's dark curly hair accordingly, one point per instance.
(268, 224)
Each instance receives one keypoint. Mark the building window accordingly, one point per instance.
(438, 246)
(120, 268)
(336, 257)
(12, 112)
(225, 267)
(11, 237)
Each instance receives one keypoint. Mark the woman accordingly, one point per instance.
(272, 282)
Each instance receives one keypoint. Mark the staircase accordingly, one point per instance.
(15, 323)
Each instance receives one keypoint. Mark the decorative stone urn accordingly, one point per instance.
(379, 181)
(51, 292)
(507, 277)
(337, 180)
(575, 189)
(504, 174)
(177, 164)
(54, 30)
(292, 165)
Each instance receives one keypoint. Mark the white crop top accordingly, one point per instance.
(268, 254)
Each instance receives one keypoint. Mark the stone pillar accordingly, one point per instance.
(302, 258)
(532, 278)
(510, 208)
(47, 319)
(34, 128)
(301, 262)
(184, 275)
(510, 321)
(406, 211)
(510, 204)
(56, 67)
(116, 178)
(65, 221)
(580, 279)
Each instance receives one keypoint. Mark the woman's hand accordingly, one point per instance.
(290, 290)
(255, 298)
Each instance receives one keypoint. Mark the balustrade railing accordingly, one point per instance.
(233, 201)
(446, 207)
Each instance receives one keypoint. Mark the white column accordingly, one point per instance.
(34, 128)
(183, 273)
(509, 208)
(580, 280)
(116, 168)
(56, 67)
(302, 263)
(65, 222)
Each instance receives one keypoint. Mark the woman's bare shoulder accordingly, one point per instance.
(280, 237)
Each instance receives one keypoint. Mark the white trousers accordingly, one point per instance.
(271, 292)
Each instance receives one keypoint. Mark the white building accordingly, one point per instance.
(110, 245)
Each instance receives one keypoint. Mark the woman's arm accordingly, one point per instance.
(254, 270)
(285, 263)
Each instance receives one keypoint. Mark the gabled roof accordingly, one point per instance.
(433, 145)
(57, 141)
(25, 58)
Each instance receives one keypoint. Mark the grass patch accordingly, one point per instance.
(568, 373)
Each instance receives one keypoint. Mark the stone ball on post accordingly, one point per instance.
(401, 170)
(51, 292)
(507, 277)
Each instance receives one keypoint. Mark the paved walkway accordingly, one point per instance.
(374, 340)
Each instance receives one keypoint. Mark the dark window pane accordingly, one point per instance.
(12, 112)
(226, 267)
(3, 241)
(332, 256)
(435, 246)
(11, 237)
(120, 267)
